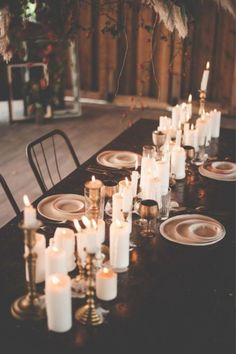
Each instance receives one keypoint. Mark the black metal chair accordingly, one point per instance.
(48, 158)
(9, 195)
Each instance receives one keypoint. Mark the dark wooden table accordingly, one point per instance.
(174, 299)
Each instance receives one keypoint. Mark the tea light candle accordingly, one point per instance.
(215, 123)
(64, 238)
(201, 126)
(39, 249)
(30, 220)
(125, 188)
(55, 260)
(119, 245)
(178, 162)
(205, 77)
(58, 302)
(106, 284)
(117, 206)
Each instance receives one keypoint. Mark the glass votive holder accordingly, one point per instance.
(149, 212)
(165, 205)
(149, 151)
(109, 188)
(94, 199)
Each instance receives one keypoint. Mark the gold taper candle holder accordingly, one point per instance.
(88, 314)
(29, 306)
(93, 199)
(202, 97)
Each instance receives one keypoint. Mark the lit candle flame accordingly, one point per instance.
(136, 163)
(105, 270)
(208, 65)
(118, 223)
(55, 249)
(77, 225)
(55, 280)
(86, 221)
(190, 98)
(63, 231)
(94, 224)
(126, 181)
(192, 127)
(26, 200)
(93, 178)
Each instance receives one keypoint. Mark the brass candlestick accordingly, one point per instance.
(202, 96)
(78, 284)
(88, 314)
(29, 306)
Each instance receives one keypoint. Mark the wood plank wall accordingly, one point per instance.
(177, 64)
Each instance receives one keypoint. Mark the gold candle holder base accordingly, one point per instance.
(88, 314)
(29, 306)
(25, 308)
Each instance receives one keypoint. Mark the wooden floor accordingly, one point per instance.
(98, 125)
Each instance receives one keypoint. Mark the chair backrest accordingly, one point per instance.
(51, 158)
(11, 200)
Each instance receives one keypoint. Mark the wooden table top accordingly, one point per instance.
(173, 299)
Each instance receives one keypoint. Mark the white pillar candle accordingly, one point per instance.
(134, 182)
(186, 129)
(125, 188)
(55, 260)
(119, 245)
(191, 138)
(178, 162)
(147, 189)
(101, 230)
(117, 205)
(215, 123)
(163, 173)
(92, 241)
(201, 126)
(64, 238)
(178, 136)
(58, 302)
(172, 132)
(146, 164)
(175, 116)
(205, 77)
(106, 284)
(183, 113)
(189, 107)
(30, 219)
(80, 242)
(39, 249)
(208, 131)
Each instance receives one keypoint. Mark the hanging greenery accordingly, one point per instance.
(22, 20)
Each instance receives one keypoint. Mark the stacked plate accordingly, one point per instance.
(219, 170)
(193, 230)
(62, 207)
(119, 159)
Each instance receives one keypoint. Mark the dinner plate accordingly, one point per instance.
(172, 231)
(204, 171)
(68, 205)
(119, 159)
(47, 209)
(224, 167)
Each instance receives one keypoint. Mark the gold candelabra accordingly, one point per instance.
(202, 97)
(88, 314)
(29, 306)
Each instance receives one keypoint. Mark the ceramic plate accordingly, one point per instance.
(172, 231)
(199, 231)
(118, 159)
(223, 167)
(46, 207)
(68, 205)
(204, 171)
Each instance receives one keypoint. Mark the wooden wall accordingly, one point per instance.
(178, 64)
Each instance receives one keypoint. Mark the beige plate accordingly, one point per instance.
(168, 230)
(47, 210)
(229, 177)
(118, 159)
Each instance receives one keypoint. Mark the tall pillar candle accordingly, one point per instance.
(119, 246)
(178, 162)
(39, 249)
(117, 206)
(163, 172)
(189, 107)
(178, 136)
(201, 127)
(64, 238)
(191, 138)
(106, 284)
(58, 302)
(125, 188)
(134, 182)
(148, 163)
(186, 129)
(215, 123)
(183, 113)
(175, 116)
(55, 260)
